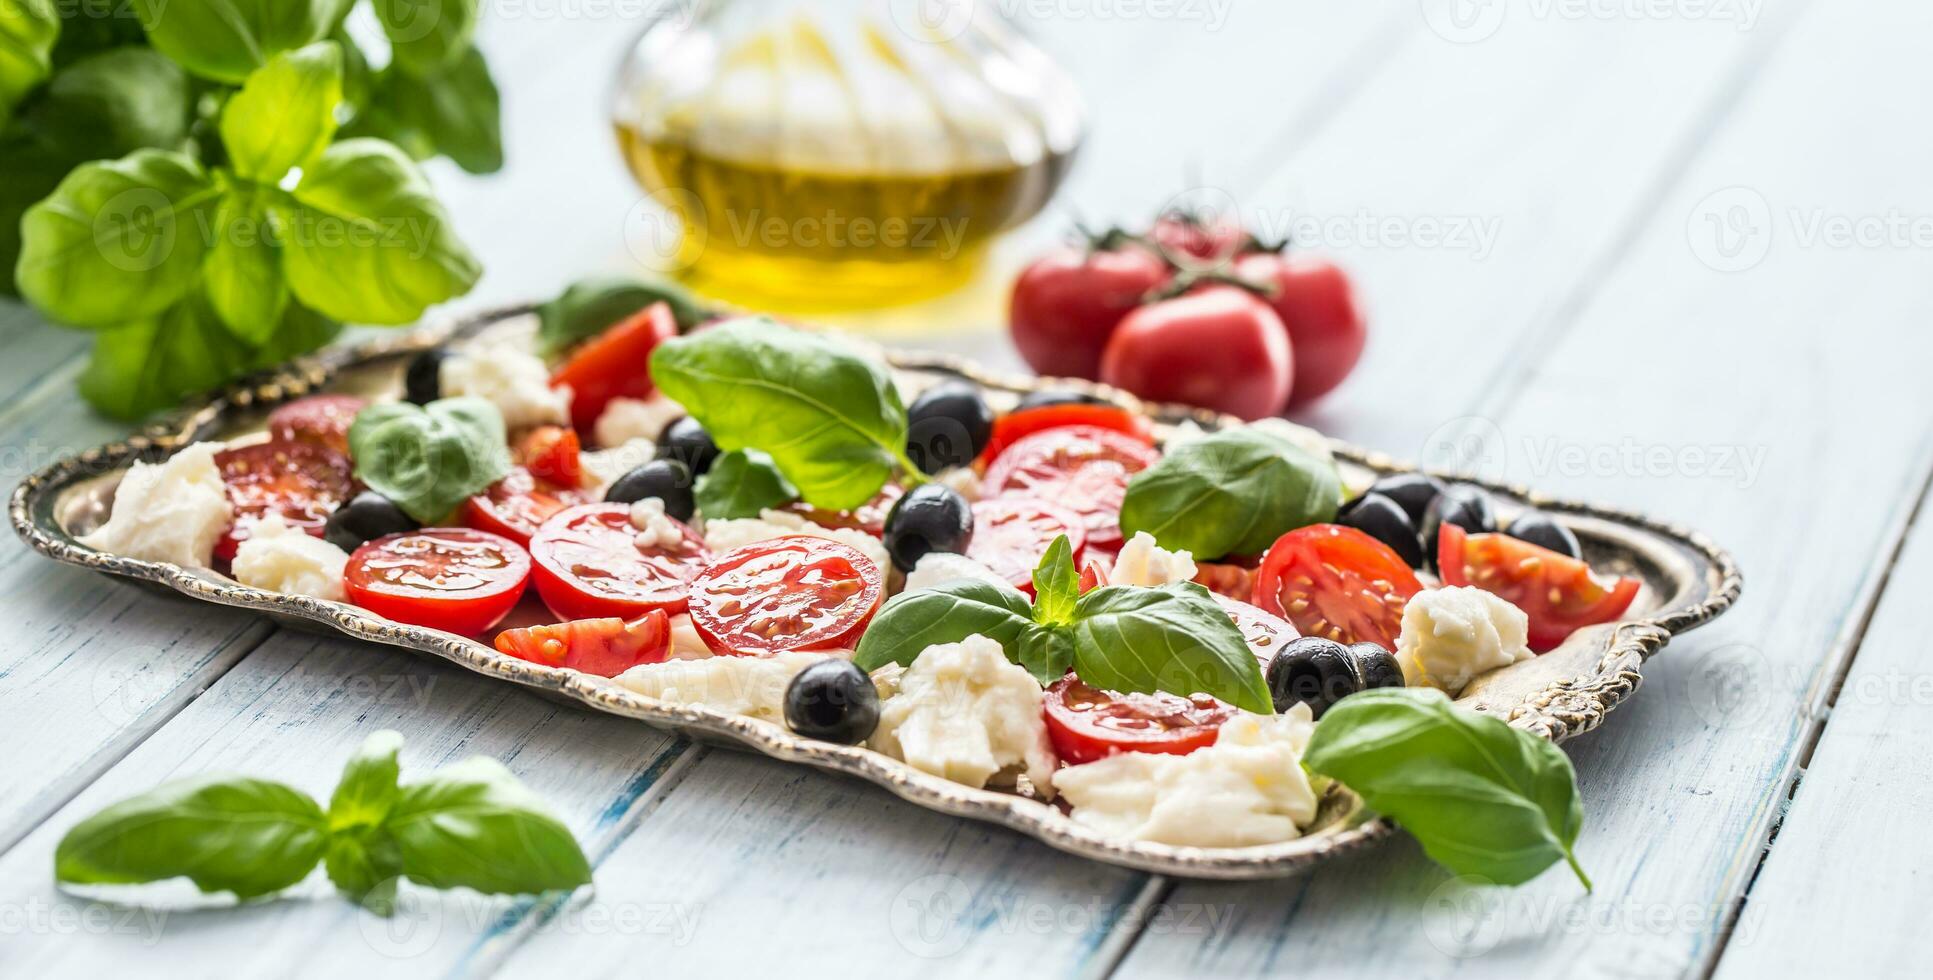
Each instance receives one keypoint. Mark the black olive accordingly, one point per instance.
(1059, 396)
(422, 380)
(1383, 519)
(1313, 671)
(1411, 491)
(687, 442)
(365, 517)
(1462, 504)
(1376, 666)
(1539, 529)
(834, 701)
(666, 479)
(928, 518)
(947, 426)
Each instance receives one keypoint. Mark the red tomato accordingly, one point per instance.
(1225, 579)
(605, 647)
(1265, 632)
(1218, 348)
(1208, 239)
(1081, 468)
(1094, 575)
(1066, 305)
(1010, 534)
(870, 517)
(1317, 305)
(614, 364)
(1559, 593)
(553, 453)
(450, 579)
(789, 593)
(321, 419)
(302, 481)
(589, 565)
(1086, 723)
(1015, 426)
(1336, 582)
(517, 505)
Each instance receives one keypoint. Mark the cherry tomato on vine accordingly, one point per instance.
(1218, 347)
(1066, 304)
(1318, 306)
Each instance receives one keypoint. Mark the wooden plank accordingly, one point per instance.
(1673, 379)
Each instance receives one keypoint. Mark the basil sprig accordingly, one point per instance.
(830, 419)
(1174, 638)
(742, 483)
(472, 824)
(1230, 492)
(1482, 798)
(590, 306)
(429, 458)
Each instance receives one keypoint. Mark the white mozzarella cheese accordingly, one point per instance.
(965, 712)
(281, 558)
(629, 419)
(1144, 563)
(509, 377)
(171, 511)
(937, 567)
(1451, 635)
(749, 686)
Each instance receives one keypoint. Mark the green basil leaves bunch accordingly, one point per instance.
(428, 459)
(1174, 638)
(470, 825)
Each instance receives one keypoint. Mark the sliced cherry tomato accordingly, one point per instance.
(1087, 723)
(451, 579)
(1094, 575)
(553, 453)
(605, 647)
(789, 593)
(870, 517)
(302, 481)
(1223, 578)
(517, 505)
(590, 565)
(322, 419)
(1015, 426)
(1559, 593)
(1265, 632)
(1336, 582)
(1010, 534)
(1079, 467)
(614, 364)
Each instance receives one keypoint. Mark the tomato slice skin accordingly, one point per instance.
(1080, 467)
(613, 364)
(553, 453)
(1265, 632)
(588, 565)
(1087, 723)
(1010, 534)
(517, 505)
(453, 579)
(302, 481)
(604, 647)
(322, 419)
(788, 593)
(1336, 582)
(1528, 576)
(1015, 426)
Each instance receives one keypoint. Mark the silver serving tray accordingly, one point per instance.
(1688, 581)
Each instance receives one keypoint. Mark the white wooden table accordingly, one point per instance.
(1670, 255)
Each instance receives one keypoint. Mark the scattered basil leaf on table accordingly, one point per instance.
(1057, 585)
(1173, 638)
(224, 40)
(224, 833)
(369, 786)
(473, 825)
(285, 114)
(111, 103)
(589, 307)
(742, 483)
(28, 30)
(947, 613)
(831, 419)
(1230, 492)
(427, 34)
(429, 458)
(1483, 798)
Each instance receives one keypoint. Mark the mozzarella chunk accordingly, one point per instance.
(937, 567)
(723, 536)
(1451, 635)
(655, 529)
(1248, 788)
(603, 467)
(963, 711)
(630, 419)
(686, 644)
(281, 558)
(749, 686)
(171, 511)
(509, 377)
(1144, 563)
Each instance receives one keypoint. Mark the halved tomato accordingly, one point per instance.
(614, 364)
(451, 579)
(788, 593)
(1010, 534)
(590, 565)
(1015, 426)
(302, 481)
(323, 419)
(1087, 723)
(517, 505)
(1224, 578)
(605, 647)
(1265, 632)
(870, 516)
(1079, 467)
(1559, 593)
(553, 453)
(1336, 582)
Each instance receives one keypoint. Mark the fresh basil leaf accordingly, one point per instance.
(365, 240)
(591, 306)
(285, 113)
(117, 240)
(243, 272)
(155, 362)
(455, 112)
(368, 789)
(110, 104)
(741, 483)
(1057, 585)
(1174, 638)
(91, 28)
(831, 419)
(28, 30)
(1482, 798)
(474, 825)
(429, 458)
(1230, 492)
(247, 836)
(1046, 652)
(224, 40)
(366, 865)
(29, 171)
(302, 330)
(947, 613)
(427, 35)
